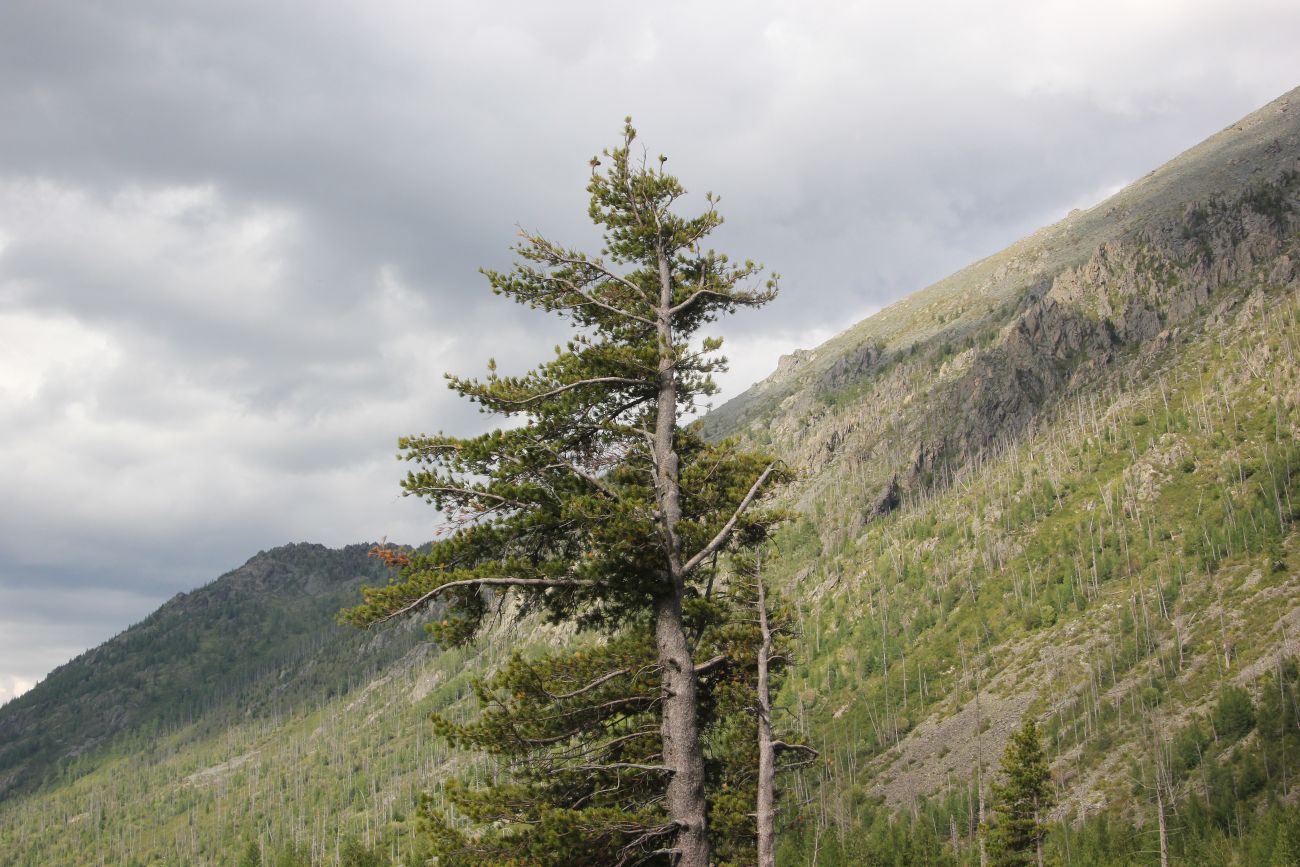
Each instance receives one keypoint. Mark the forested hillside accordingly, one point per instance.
(1074, 501)
(1062, 484)
(259, 641)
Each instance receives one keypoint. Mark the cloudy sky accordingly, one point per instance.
(239, 240)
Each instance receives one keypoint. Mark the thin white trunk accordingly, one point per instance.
(766, 750)
(979, 770)
(1164, 831)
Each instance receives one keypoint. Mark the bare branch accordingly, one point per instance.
(539, 583)
(604, 678)
(622, 380)
(695, 296)
(709, 665)
(725, 533)
(619, 765)
(647, 835)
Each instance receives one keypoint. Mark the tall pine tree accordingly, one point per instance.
(600, 507)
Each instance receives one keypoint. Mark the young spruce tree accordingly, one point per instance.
(601, 509)
(1022, 800)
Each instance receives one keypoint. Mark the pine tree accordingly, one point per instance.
(1022, 799)
(601, 508)
(579, 730)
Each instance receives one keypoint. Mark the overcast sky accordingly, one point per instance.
(239, 240)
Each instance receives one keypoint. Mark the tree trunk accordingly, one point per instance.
(979, 770)
(766, 751)
(684, 799)
(1164, 831)
(1038, 835)
(682, 752)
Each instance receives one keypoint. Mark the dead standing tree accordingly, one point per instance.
(601, 508)
(769, 747)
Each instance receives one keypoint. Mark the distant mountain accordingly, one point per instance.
(1062, 483)
(260, 639)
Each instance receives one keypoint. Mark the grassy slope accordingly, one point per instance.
(1108, 556)
(352, 765)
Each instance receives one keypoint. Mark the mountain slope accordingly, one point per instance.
(260, 639)
(1060, 482)
(980, 295)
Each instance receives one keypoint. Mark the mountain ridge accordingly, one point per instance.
(1221, 165)
(230, 634)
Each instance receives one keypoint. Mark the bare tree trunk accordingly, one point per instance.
(1038, 834)
(984, 853)
(979, 769)
(682, 752)
(684, 799)
(1164, 831)
(766, 749)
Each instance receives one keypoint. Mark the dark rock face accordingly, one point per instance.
(904, 419)
(887, 500)
(850, 367)
(1126, 296)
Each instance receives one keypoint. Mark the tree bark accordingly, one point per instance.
(1038, 835)
(682, 751)
(766, 749)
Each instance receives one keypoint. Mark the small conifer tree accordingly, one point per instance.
(1022, 799)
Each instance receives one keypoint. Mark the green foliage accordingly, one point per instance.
(1234, 715)
(1022, 799)
(354, 853)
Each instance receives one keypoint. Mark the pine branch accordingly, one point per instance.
(725, 533)
(604, 678)
(622, 380)
(539, 583)
(612, 766)
(695, 296)
(556, 258)
(709, 665)
(470, 492)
